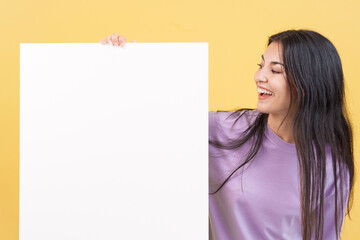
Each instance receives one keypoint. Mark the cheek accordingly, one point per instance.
(287, 96)
(283, 93)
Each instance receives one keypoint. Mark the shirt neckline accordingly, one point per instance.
(278, 141)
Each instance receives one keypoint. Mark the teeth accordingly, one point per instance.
(264, 91)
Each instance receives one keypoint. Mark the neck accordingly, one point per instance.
(285, 131)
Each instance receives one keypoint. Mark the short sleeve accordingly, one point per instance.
(212, 125)
(224, 127)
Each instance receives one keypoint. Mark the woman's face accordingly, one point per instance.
(271, 77)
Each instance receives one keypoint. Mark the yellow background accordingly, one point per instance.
(237, 32)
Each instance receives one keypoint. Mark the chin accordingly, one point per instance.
(262, 109)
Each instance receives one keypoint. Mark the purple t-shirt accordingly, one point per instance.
(264, 201)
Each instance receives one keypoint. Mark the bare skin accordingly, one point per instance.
(114, 40)
(271, 76)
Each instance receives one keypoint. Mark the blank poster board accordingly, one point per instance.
(113, 141)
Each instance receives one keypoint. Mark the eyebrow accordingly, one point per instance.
(273, 63)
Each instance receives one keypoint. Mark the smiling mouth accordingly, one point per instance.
(263, 92)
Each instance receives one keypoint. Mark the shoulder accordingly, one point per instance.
(228, 124)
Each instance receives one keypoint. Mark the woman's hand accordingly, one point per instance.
(114, 40)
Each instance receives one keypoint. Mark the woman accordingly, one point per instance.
(284, 170)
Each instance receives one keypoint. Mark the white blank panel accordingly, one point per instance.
(113, 141)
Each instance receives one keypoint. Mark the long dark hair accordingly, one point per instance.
(315, 76)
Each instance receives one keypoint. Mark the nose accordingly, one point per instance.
(260, 76)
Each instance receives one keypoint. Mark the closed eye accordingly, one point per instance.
(260, 67)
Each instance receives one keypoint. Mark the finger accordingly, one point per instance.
(108, 39)
(110, 42)
(122, 40)
(114, 39)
